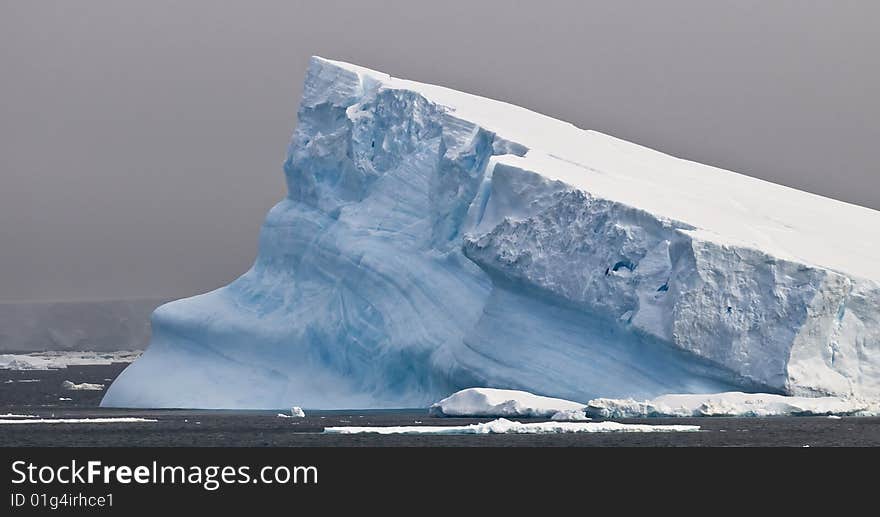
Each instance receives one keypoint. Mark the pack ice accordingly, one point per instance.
(432, 240)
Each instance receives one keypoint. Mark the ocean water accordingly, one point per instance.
(40, 392)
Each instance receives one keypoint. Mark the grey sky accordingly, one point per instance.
(141, 142)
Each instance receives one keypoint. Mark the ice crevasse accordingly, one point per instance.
(433, 240)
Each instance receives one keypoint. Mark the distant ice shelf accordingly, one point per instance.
(433, 240)
(488, 402)
(56, 360)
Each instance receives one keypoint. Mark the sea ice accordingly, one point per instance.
(504, 426)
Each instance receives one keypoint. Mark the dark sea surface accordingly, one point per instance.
(265, 428)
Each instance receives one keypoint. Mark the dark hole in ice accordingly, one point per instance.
(623, 264)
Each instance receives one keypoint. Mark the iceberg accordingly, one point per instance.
(735, 404)
(488, 402)
(433, 240)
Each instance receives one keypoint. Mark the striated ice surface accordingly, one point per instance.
(433, 240)
(101, 325)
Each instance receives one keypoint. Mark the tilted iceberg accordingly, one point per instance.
(433, 240)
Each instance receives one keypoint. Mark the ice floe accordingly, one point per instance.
(504, 426)
(59, 360)
(85, 386)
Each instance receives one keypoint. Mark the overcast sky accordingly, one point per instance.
(141, 142)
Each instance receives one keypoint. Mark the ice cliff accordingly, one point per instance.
(433, 240)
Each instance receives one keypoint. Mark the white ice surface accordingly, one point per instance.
(730, 404)
(433, 240)
(504, 426)
(57, 360)
(119, 420)
(85, 386)
(489, 402)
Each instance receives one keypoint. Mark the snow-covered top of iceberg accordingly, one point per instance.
(491, 402)
(714, 204)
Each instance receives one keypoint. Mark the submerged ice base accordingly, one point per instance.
(432, 241)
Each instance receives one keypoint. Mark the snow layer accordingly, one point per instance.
(58, 360)
(731, 404)
(488, 402)
(433, 240)
(504, 426)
